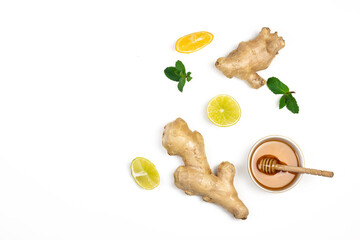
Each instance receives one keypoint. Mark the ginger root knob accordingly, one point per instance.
(250, 57)
(196, 177)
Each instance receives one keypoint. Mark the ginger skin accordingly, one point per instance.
(250, 57)
(196, 178)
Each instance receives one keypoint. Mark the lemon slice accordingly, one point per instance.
(223, 110)
(144, 173)
(193, 42)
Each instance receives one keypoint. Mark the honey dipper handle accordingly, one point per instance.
(286, 168)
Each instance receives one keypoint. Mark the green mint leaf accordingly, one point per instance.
(178, 74)
(292, 104)
(182, 74)
(181, 84)
(283, 101)
(188, 76)
(180, 66)
(171, 73)
(276, 86)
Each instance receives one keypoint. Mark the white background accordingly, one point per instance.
(82, 93)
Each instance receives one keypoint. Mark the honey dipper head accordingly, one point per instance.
(266, 164)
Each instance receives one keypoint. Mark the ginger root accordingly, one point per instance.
(250, 57)
(196, 178)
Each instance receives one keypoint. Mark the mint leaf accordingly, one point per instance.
(180, 66)
(287, 99)
(181, 84)
(178, 74)
(292, 104)
(283, 101)
(188, 78)
(171, 73)
(276, 86)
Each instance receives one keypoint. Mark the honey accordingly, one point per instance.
(283, 152)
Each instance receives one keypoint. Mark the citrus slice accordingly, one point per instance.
(223, 110)
(144, 173)
(193, 42)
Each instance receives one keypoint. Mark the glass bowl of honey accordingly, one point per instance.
(283, 149)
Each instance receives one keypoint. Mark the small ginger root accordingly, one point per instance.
(196, 178)
(250, 57)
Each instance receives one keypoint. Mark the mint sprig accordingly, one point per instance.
(287, 99)
(178, 74)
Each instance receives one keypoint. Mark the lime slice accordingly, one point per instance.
(144, 173)
(223, 110)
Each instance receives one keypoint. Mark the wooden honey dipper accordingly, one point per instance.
(271, 165)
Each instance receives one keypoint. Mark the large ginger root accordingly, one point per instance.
(250, 57)
(196, 178)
